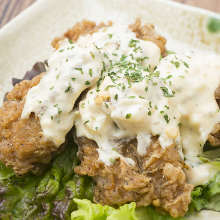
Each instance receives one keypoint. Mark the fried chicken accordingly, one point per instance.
(22, 145)
(157, 178)
(145, 32)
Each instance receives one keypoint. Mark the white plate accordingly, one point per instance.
(27, 38)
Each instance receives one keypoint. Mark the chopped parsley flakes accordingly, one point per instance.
(90, 72)
(86, 122)
(68, 89)
(108, 87)
(87, 83)
(131, 97)
(186, 64)
(92, 55)
(167, 119)
(176, 64)
(166, 92)
(79, 69)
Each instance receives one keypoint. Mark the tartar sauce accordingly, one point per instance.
(133, 92)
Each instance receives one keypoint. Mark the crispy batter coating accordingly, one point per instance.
(157, 178)
(22, 145)
(80, 28)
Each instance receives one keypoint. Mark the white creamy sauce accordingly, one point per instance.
(133, 93)
(201, 174)
(204, 215)
(69, 74)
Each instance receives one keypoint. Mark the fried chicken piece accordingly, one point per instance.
(144, 32)
(22, 145)
(157, 178)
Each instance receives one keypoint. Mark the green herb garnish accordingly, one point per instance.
(79, 69)
(92, 55)
(86, 122)
(166, 117)
(128, 115)
(176, 64)
(90, 72)
(166, 92)
(87, 83)
(68, 89)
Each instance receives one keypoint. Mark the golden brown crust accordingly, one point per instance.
(144, 32)
(22, 145)
(21, 141)
(80, 28)
(20, 90)
(157, 178)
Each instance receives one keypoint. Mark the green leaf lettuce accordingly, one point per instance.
(90, 211)
(207, 196)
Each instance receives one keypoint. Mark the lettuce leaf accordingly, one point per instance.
(48, 196)
(207, 196)
(58, 191)
(5, 172)
(150, 213)
(90, 211)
